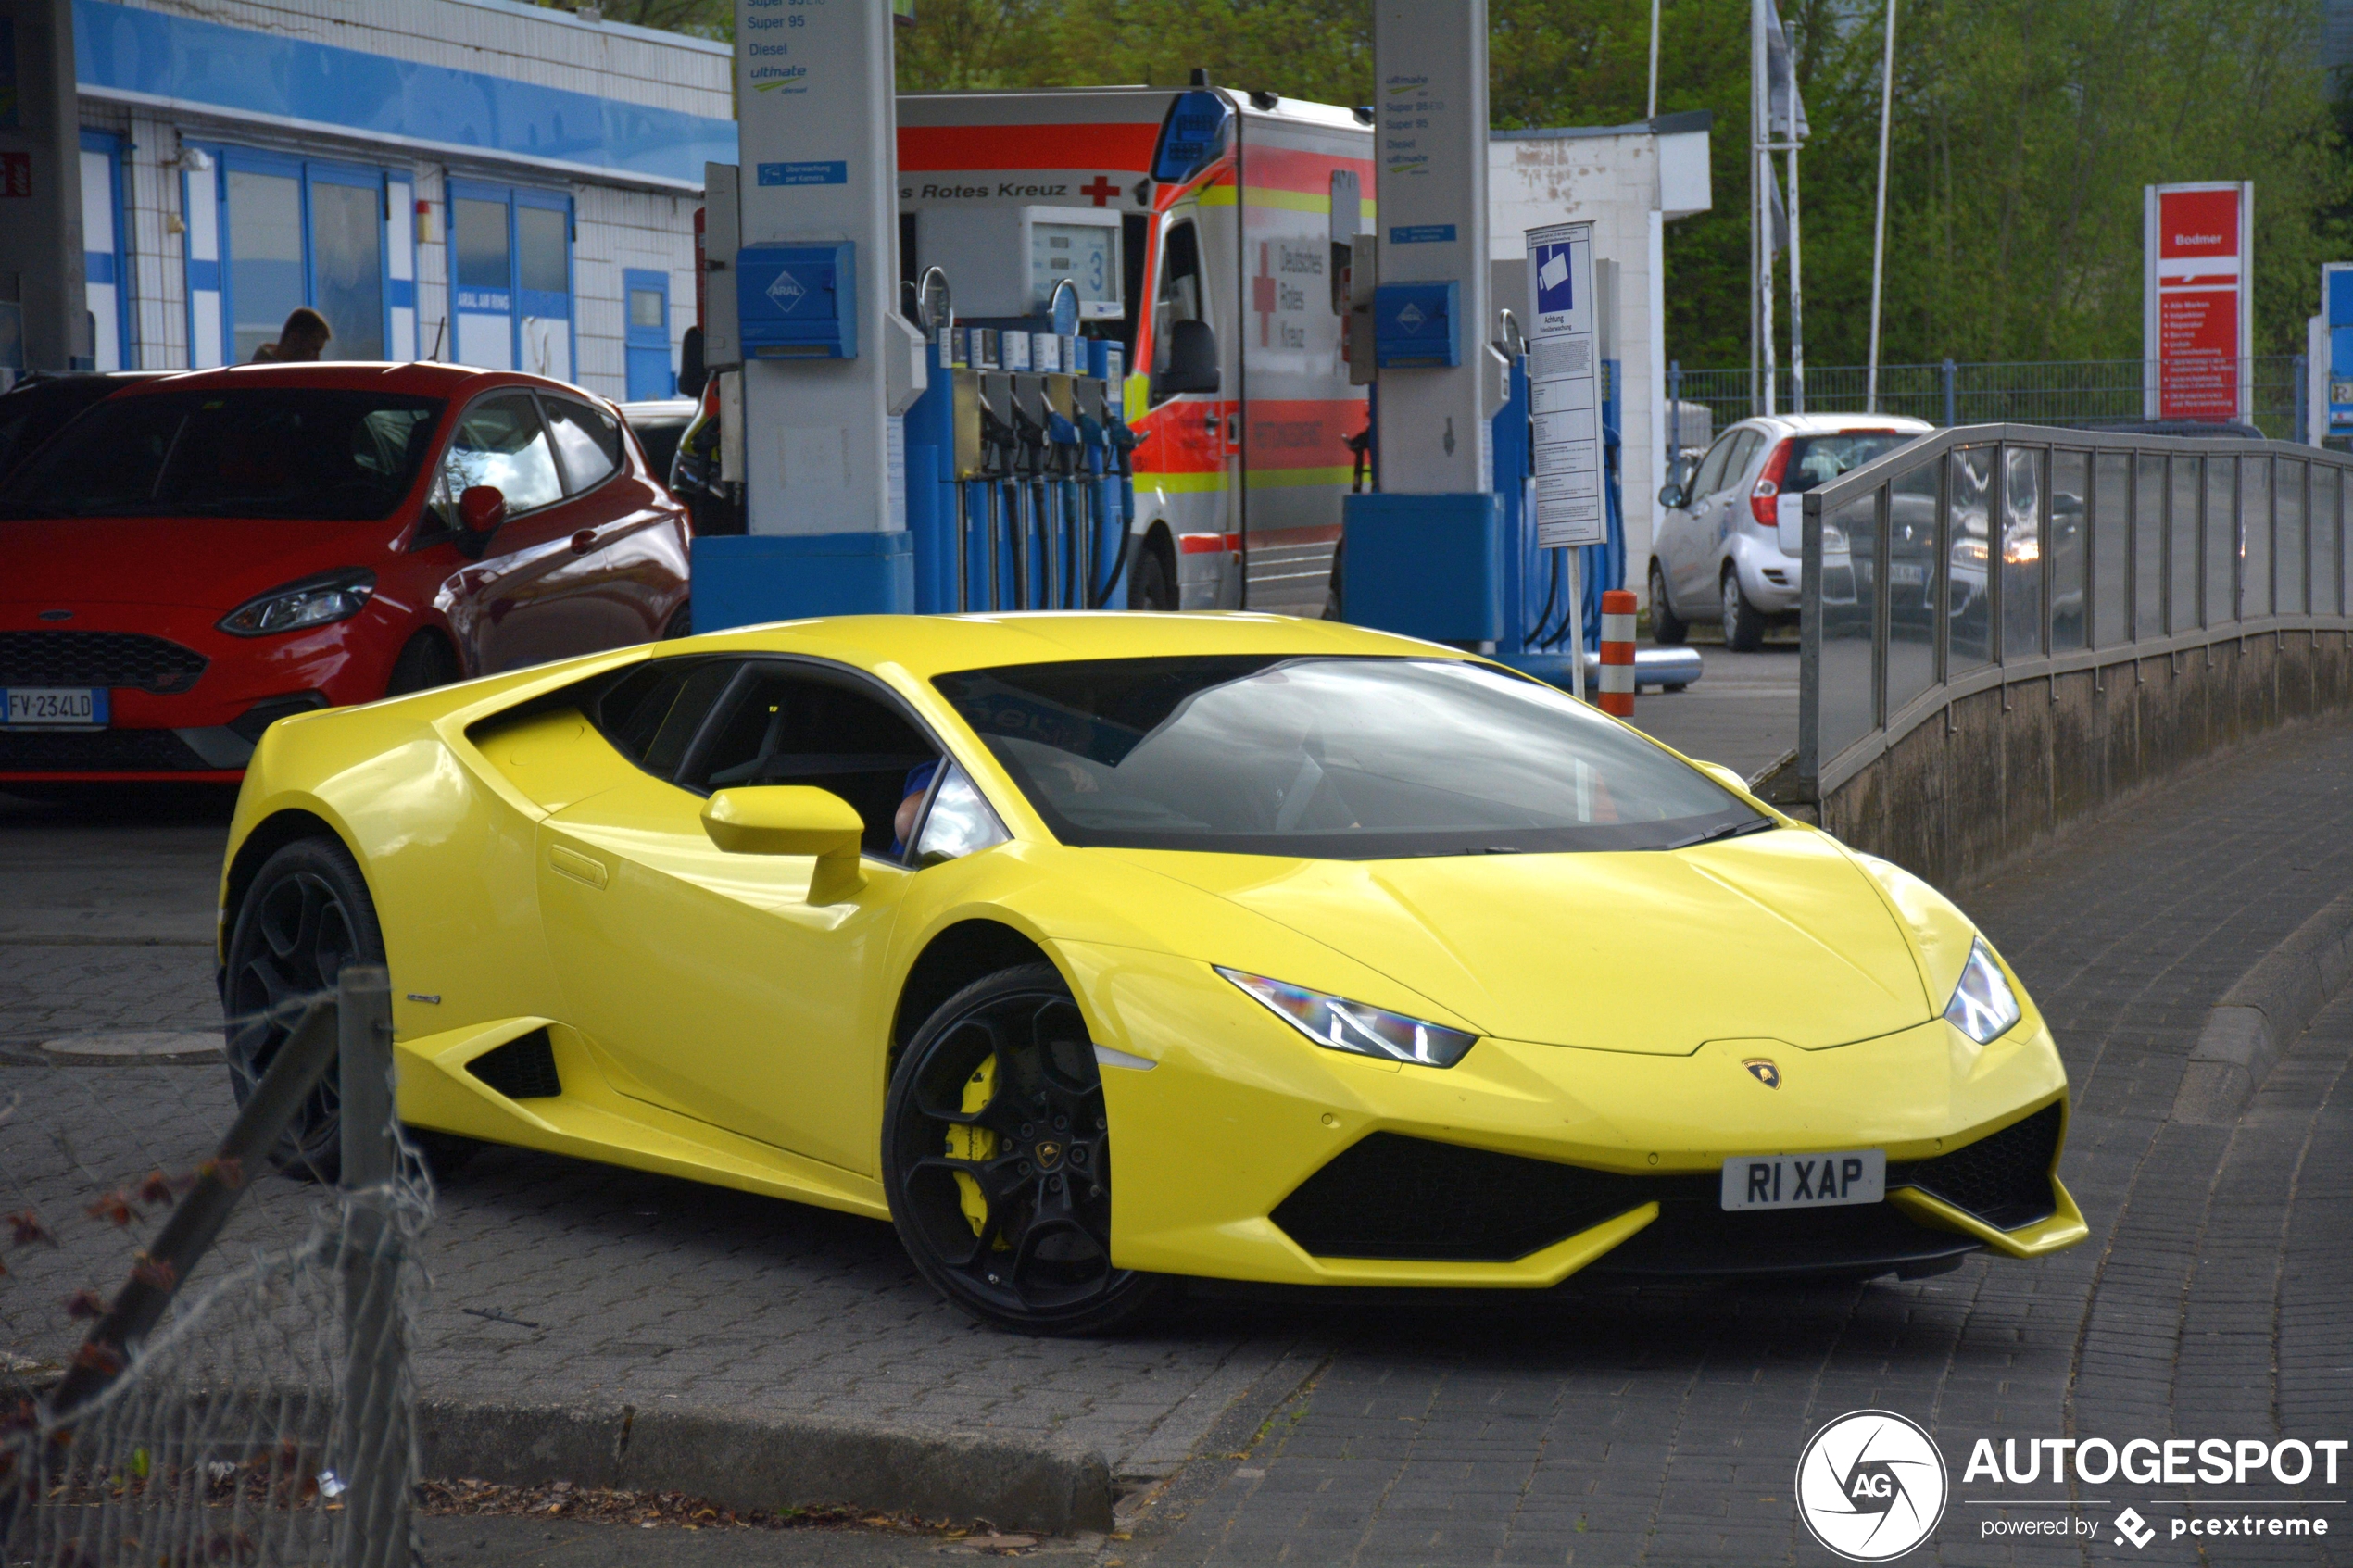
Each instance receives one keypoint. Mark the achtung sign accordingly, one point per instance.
(2198, 309)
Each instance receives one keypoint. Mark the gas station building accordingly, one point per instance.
(478, 180)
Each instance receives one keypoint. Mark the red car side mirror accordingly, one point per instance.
(482, 509)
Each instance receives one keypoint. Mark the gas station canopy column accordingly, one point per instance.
(1424, 555)
(829, 364)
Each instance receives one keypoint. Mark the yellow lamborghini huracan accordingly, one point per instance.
(1094, 951)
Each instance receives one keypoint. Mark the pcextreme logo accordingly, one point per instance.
(1871, 1485)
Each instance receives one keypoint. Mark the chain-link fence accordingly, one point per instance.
(265, 1415)
(2074, 393)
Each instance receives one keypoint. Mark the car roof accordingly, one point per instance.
(920, 646)
(1835, 424)
(416, 378)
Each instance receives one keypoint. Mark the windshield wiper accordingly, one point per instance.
(1729, 830)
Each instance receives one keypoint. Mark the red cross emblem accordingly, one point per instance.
(1262, 295)
(1102, 190)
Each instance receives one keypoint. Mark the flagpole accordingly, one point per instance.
(1878, 226)
(1651, 110)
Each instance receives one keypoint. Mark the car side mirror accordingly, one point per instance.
(1671, 494)
(482, 510)
(792, 820)
(1193, 361)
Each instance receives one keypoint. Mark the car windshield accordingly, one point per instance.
(260, 452)
(1814, 460)
(1334, 758)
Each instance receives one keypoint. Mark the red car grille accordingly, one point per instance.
(97, 659)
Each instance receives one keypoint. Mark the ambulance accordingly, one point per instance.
(1210, 233)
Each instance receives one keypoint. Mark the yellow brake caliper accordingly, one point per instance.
(975, 1144)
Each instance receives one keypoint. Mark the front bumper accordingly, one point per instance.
(1221, 1141)
(185, 700)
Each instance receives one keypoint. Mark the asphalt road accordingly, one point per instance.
(1658, 1426)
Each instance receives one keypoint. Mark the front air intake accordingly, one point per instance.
(525, 1068)
(1388, 1196)
(2003, 1178)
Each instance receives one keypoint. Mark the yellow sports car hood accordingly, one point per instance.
(1773, 937)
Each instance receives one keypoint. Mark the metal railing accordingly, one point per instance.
(2076, 393)
(1987, 554)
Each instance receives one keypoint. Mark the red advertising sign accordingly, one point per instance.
(2199, 293)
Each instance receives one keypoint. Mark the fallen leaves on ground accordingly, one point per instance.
(603, 1505)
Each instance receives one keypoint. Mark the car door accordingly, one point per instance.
(1679, 544)
(503, 606)
(624, 571)
(1713, 516)
(708, 980)
(1193, 460)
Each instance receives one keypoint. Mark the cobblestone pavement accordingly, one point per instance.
(1658, 1426)
(1664, 1426)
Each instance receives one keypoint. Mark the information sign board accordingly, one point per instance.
(1564, 387)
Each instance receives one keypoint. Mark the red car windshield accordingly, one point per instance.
(260, 452)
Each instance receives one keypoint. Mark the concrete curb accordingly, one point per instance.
(2258, 1017)
(745, 1461)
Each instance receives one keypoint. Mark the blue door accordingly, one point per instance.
(647, 306)
(106, 274)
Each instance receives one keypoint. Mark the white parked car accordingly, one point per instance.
(1718, 551)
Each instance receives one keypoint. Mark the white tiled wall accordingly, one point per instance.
(618, 229)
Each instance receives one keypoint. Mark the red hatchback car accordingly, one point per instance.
(202, 554)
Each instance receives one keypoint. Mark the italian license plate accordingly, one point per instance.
(1805, 1181)
(1906, 574)
(55, 708)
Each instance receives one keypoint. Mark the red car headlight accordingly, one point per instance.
(307, 602)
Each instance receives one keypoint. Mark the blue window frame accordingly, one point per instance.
(106, 260)
(512, 278)
(289, 232)
(645, 315)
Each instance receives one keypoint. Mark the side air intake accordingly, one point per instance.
(525, 1068)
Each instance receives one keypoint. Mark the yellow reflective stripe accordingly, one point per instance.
(1266, 479)
(1217, 195)
(1136, 392)
(1182, 483)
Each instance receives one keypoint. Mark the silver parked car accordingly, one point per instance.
(1719, 550)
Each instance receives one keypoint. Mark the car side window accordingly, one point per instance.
(790, 724)
(587, 439)
(959, 822)
(499, 441)
(652, 713)
(1743, 455)
(1711, 468)
(1180, 289)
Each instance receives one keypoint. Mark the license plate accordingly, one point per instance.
(1906, 574)
(1805, 1181)
(55, 707)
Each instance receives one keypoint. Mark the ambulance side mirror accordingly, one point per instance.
(1193, 361)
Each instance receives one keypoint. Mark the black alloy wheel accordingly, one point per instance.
(997, 1161)
(1667, 628)
(306, 915)
(681, 623)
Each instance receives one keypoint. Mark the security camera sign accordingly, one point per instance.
(1563, 383)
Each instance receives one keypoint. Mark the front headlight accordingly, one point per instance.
(1984, 1006)
(1338, 1024)
(312, 601)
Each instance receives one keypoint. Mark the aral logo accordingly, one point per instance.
(1871, 1485)
(786, 292)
